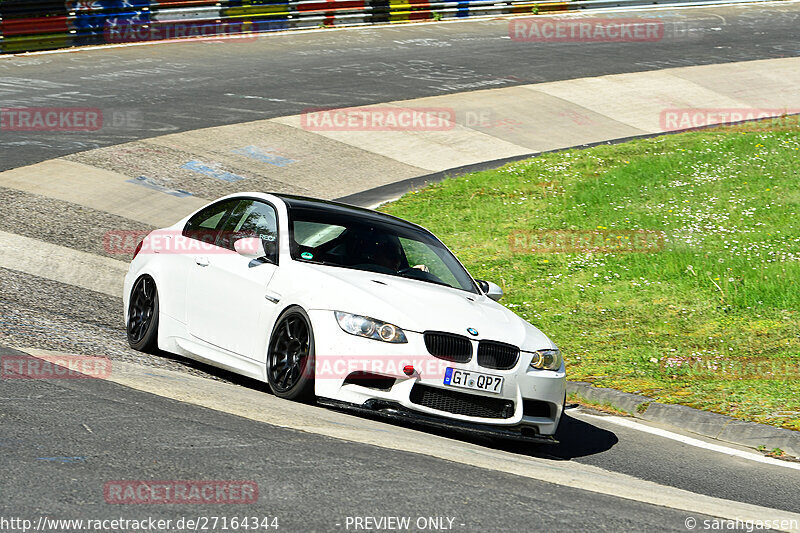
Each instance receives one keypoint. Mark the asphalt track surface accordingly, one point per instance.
(309, 482)
(153, 90)
(54, 465)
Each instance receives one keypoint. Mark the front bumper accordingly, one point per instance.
(388, 410)
(530, 402)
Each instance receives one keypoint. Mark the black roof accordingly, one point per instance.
(305, 202)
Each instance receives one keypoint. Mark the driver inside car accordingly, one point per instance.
(382, 251)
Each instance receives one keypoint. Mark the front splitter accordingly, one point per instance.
(393, 411)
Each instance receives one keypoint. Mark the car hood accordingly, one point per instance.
(418, 306)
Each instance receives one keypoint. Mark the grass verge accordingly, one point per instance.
(682, 282)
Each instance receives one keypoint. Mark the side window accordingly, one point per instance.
(206, 224)
(313, 234)
(310, 235)
(252, 218)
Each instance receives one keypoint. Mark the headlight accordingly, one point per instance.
(546, 359)
(370, 328)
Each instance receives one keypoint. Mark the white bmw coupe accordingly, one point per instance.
(353, 307)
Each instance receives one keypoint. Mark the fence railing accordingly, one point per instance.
(28, 25)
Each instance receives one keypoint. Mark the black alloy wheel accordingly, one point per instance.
(290, 361)
(142, 326)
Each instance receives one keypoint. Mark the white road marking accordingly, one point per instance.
(638, 426)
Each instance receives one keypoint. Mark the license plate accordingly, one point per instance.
(473, 380)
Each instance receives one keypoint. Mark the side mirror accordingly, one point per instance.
(250, 247)
(490, 289)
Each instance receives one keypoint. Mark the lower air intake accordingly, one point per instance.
(460, 403)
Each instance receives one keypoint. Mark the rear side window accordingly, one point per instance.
(251, 218)
(206, 224)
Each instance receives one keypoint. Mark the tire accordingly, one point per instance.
(142, 325)
(290, 358)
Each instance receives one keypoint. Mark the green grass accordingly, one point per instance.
(710, 320)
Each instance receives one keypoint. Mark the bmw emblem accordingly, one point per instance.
(472, 331)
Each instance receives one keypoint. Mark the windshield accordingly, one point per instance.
(345, 239)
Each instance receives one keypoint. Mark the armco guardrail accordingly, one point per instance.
(28, 25)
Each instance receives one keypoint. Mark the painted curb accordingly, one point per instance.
(705, 423)
(371, 198)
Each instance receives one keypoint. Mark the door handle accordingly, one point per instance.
(272, 297)
(201, 260)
